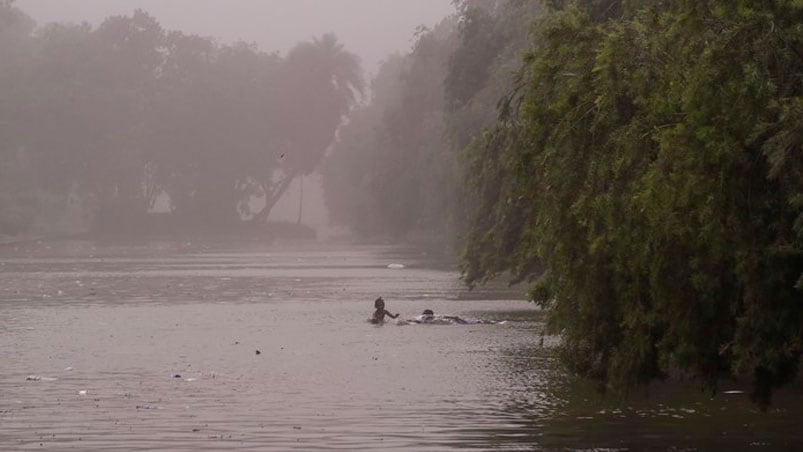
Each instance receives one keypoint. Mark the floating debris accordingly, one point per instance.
(39, 378)
(396, 266)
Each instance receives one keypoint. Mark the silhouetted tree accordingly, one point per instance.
(318, 85)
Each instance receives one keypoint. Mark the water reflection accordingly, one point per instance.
(672, 416)
(543, 408)
(524, 392)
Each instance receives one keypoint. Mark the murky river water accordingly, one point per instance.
(180, 346)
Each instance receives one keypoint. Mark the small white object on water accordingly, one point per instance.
(735, 391)
(39, 378)
(68, 369)
(190, 379)
(82, 392)
(396, 266)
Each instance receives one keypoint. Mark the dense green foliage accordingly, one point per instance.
(652, 164)
(108, 122)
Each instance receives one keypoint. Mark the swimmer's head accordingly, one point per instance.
(428, 312)
(379, 303)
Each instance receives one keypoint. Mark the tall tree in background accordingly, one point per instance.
(386, 175)
(318, 84)
(350, 171)
(127, 56)
(397, 170)
(81, 110)
(17, 185)
(213, 127)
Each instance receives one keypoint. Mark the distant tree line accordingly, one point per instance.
(638, 162)
(115, 118)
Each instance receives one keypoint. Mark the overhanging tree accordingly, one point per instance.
(653, 165)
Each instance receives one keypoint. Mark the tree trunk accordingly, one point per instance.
(272, 196)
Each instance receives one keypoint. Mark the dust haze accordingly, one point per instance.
(370, 28)
(131, 116)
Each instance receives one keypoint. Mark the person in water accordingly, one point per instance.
(429, 317)
(381, 312)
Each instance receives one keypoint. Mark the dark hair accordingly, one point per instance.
(378, 301)
(428, 312)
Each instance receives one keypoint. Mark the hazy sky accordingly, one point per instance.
(369, 28)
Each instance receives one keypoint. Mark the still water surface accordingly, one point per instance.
(181, 346)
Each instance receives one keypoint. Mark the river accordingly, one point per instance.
(187, 346)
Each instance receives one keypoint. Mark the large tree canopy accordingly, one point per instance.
(652, 164)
